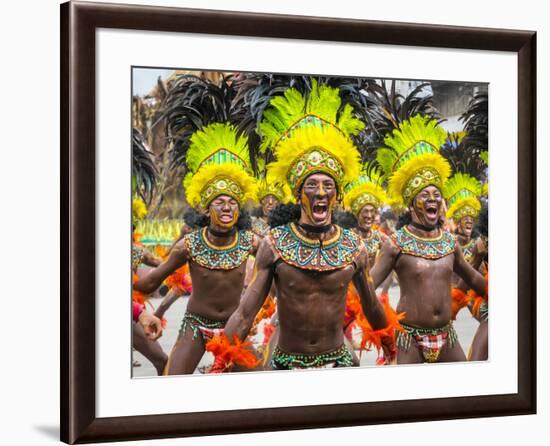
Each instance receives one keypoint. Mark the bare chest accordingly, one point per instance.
(296, 282)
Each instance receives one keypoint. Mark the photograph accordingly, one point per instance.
(291, 221)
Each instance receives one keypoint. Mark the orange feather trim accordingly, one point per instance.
(477, 299)
(136, 237)
(180, 279)
(459, 300)
(353, 307)
(267, 310)
(137, 296)
(161, 251)
(379, 338)
(229, 354)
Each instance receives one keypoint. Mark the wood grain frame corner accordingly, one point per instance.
(79, 21)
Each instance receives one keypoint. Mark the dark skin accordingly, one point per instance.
(425, 284)
(365, 220)
(310, 304)
(148, 329)
(216, 293)
(148, 348)
(268, 203)
(480, 343)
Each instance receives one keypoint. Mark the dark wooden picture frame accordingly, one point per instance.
(79, 22)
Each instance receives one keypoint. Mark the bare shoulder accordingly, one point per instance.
(265, 256)
(181, 248)
(389, 247)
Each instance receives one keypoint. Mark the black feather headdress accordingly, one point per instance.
(191, 104)
(385, 109)
(144, 172)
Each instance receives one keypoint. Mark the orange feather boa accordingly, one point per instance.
(228, 354)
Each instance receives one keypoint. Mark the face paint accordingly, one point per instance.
(366, 217)
(426, 207)
(268, 204)
(224, 212)
(318, 197)
(306, 205)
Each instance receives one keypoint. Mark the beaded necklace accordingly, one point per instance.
(311, 254)
(467, 251)
(138, 255)
(431, 249)
(259, 226)
(210, 256)
(373, 243)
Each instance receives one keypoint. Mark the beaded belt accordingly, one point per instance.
(199, 324)
(341, 357)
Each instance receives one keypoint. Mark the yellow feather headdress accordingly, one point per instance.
(139, 209)
(462, 192)
(219, 164)
(309, 135)
(366, 189)
(267, 185)
(411, 158)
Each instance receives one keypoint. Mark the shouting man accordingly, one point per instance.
(422, 253)
(311, 260)
(217, 185)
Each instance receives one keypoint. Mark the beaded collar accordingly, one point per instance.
(259, 226)
(138, 255)
(373, 243)
(467, 250)
(304, 253)
(207, 255)
(431, 249)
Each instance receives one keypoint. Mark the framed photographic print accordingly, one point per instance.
(251, 186)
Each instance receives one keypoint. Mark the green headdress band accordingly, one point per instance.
(218, 161)
(311, 135)
(462, 192)
(412, 160)
(366, 189)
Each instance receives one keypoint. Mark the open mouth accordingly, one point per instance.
(226, 218)
(431, 212)
(320, 212)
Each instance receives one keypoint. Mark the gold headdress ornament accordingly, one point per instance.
(462, 192)
(411, 158)
(366, 189)
(311, 135)
(218, 161)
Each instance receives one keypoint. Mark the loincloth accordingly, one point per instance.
(207, 328)
(430, 341)
(484, 311)
(340, 357)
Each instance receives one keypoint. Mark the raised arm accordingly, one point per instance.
(174, 294)
(384, 263)
(241, 320)
(363, 284)
(151, 281)
(150, 260)
(471, 277)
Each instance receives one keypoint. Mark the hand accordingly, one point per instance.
(390, 352)
(151, 324)
(481, 247)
